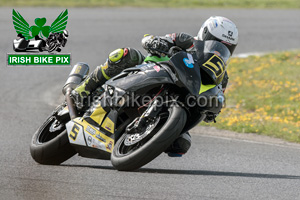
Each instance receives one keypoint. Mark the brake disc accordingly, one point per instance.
(134, 138)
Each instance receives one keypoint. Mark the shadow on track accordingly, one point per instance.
(194, 172)
(216, 173)
(89, 166)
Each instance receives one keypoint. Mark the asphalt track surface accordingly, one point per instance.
(214, 168)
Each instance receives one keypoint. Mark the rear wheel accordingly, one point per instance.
(50, 144)
(42, 46)
(132, 151)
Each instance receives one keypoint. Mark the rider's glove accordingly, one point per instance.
(146, 41)
(155, 45)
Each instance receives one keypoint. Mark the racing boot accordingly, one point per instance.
(82, 93)
(117, 61)
(180, 146)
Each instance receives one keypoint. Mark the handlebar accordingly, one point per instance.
(171, 51)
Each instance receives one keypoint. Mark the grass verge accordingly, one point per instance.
(263, 96)
(294, 4)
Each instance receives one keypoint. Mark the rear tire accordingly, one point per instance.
(166, 134)
(51, 147)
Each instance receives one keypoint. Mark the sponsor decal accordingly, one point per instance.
(228, 37)
(189, 62)
(74, 132)
(100, 138)
(215, 23)
(216, 65)
(109, 145)
(90, 130)
(108, 125)
(89, 140)
(157, 68)
(173, 36)
(39, 37)
(217, 53)
(96, 146)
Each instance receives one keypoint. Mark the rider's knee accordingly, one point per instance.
(117, 61)
(124, 58)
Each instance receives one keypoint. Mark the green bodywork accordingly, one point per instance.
(156, 58)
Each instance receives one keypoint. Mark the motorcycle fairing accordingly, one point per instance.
(103, 118)
(88, 140)
(154, 74)
(188, 75)
(75, 133)
(109, 123)
(93, 133)
(140, 77)
(213, 58)
(199, 113)
(64, 111)
(20, 44)
(97, 115)
(101, 139)
(205, 88)
(155, 59)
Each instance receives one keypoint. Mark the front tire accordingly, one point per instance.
(144, 153)
(52, 47)
(50, 144)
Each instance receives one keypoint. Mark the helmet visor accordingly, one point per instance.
(206, 35)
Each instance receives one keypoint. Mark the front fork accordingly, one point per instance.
(139, 124)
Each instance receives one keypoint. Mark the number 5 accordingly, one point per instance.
(74, 132)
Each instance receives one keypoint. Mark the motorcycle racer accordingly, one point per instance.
(215, 28)
(60, 38)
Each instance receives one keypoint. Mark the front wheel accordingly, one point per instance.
(51, 47)
(50, 144)
(133, 151)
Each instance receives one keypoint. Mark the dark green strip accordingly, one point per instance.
(24, 59)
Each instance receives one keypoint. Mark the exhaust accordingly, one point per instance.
(78, 73)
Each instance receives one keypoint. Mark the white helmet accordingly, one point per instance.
(220, 29)
(66, 33)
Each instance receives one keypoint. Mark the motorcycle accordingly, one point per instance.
(120, 126)
(53, 43)
(20, 44)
